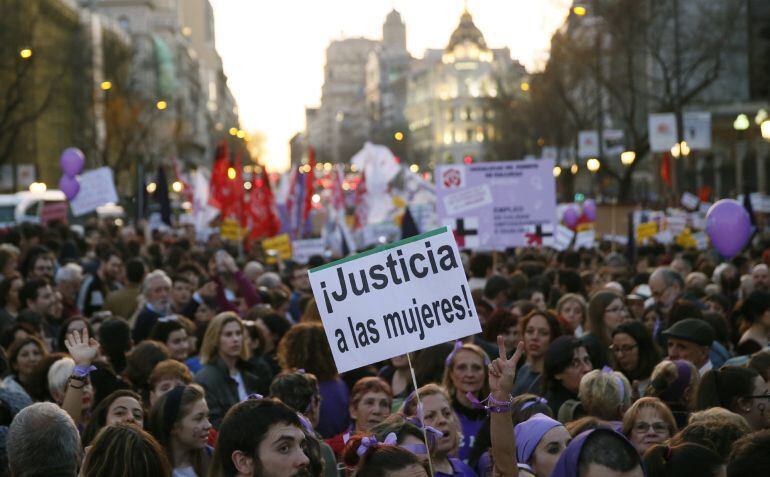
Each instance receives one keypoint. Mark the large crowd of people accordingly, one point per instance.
(125, 351)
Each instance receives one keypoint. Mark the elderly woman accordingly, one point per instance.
(648, 422)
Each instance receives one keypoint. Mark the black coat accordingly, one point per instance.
(222, 390)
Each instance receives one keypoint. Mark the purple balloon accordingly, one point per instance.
(589, 209)
(729, 226)
(72, 161)
(570, 217)
(70, 186)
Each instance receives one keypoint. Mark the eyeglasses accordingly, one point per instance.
(577, 362)
(622, 349)
(658, 427)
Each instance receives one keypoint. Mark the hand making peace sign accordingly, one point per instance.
(502, 371)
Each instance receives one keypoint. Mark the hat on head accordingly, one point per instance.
(691, 329)
(529, 433)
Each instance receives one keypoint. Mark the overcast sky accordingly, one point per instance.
(274, 51)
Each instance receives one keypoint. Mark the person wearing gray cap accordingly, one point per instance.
(690, 339)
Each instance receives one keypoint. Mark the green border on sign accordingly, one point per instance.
(380, 249)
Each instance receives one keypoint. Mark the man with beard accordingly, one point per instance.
(156, 291)
(95, 288)
(261, 438)
(665, 285)
(38, 296)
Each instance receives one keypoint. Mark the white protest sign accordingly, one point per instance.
(97, 188)
(662, 128)
(690, 201)
(676, 223)
(563, 238)
(302, 250)
(585, 239)
(394, 299)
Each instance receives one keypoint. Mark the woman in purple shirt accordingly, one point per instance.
(437, 413)
(466, 372)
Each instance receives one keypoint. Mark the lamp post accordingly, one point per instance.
(741, 125)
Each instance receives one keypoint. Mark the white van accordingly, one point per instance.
(26, 206)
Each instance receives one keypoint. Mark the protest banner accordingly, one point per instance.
(690, 201)
(97, 187)
(302, 250)
(394, 299)
(646, 231)
(51, 211)
(277, 248)
(495, 205)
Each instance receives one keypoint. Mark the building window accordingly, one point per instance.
(479, 134)
(450, 114)
(469, 135)
(448, 137)
(125, 23)
(468, 114)
(458, 136)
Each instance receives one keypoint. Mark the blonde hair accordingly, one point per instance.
(605, 394)
(210, 346)
(652, 403)
(447, 379)
(409, 408)
(719, 415)
(665, 374)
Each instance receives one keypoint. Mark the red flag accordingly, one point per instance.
(665, 169)
(235, 185)
(262, 215)
(218, 183)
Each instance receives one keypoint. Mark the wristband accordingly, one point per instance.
(82, 372)
(493, 405)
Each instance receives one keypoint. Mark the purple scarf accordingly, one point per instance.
(567, 465)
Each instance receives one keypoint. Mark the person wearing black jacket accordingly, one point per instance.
(227, 376)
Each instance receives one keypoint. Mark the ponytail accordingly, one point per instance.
(684, 460)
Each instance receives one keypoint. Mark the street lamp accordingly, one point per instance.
(579, 10)
(414, 168)
(741, 123)
(556, 171)
(25, 53)
(241, 134)
(574, 169)
(161, 105)
(233, 131)
(525, 86)
(627, 157)
(38, 187)
(106, 85)
(398, 136)
(680, 149)
(151, 187)
(593, 164)
(765, 128)
(177, 186)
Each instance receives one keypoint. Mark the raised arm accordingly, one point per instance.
(502, 371)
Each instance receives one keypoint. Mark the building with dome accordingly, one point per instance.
(457, 96)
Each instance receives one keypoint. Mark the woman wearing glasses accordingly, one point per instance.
(648, 422)
(634, 355)
(606, 311)
(741, 390)
(566, 362)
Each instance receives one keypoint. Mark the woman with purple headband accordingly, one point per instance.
(599, 453)
(675, 383)
(465, 378)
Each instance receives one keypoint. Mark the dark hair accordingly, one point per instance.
(305, 346)
(99, 414)
(377, 461)
(597, 306)
(277, 325)
(571, 281)
(480, 263)
(243, 429)
(610, 449)
(648, 354)
(38, 382)
(32, 255)
(16, 346)
(755, 305)
(750, 455)
(724, 386)
(683, 309)
(115, 341)
(63, 330)
(495, 285)
(162, 329)
(553, 323)
(295, 389)
(683, 460)
(558, 357)
(31, 289)
(140, 362)
(498, 323)
(429, 363)
(125, 449)
(760, 362)
(171, 408)
(5, 288)
(135, 270)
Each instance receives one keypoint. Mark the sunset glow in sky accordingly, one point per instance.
(274, 51)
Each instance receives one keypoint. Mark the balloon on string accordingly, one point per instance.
(589, 210)
(72, 161)
(570, 217)
(728, 225)
(70, 186)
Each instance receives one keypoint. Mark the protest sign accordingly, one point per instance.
(277, 248)
(394, 299)
(97, 188)
(231, 229)
(495, 205)
(52, 211)
(302, 250)
(690, 201)
(585, 239)
(646, 230)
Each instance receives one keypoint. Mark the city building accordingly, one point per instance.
(458, 97)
